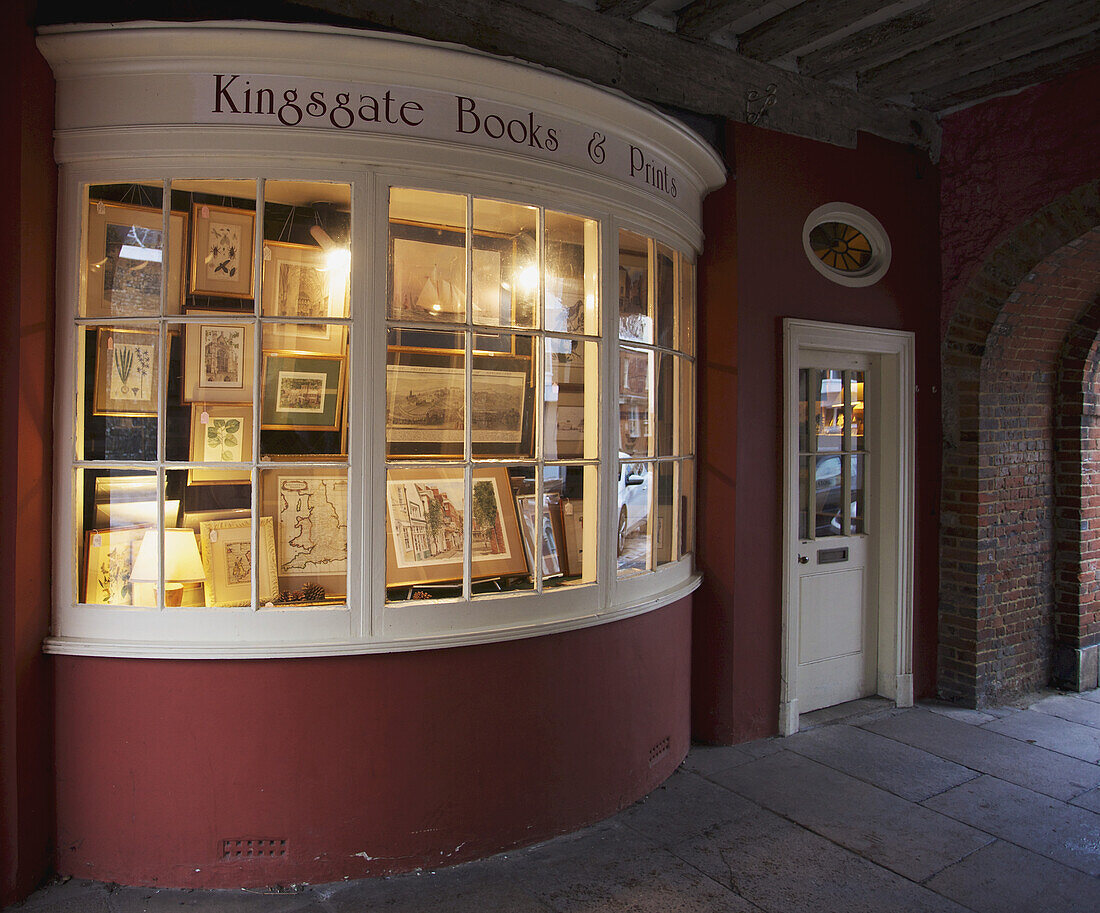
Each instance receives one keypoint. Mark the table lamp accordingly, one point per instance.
(182, 563)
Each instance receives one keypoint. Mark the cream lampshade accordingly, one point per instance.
(182, 563)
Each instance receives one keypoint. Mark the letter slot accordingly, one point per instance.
(832, 556)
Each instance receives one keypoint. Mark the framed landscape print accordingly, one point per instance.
(125, 253)
(127, 366)
(220, 433)
(221, 251)
(108, 560)
(424, 526)
(217, 362)
(302, 392)
(226, 547)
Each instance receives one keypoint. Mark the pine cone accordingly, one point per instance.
(313, 592)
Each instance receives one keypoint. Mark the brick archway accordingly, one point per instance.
(1001, 358)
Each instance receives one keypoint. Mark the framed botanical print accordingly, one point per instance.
(301, 392)
(424, 526)
(125, 254)
(217, 362)
(127, 367)
(108, 561)
(221, 251)
(220, 433)
(226, 547)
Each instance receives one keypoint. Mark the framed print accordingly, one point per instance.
(310, 511)
(108, 560)
(125, 253)
(220, 434)
(126, 371)
(217, 362)
(424, 405)
(221, 251)
(635, 321)
(551, 531)
(192, 519)
(572, 520)
(226, 547)
(424, 523)
(301, 392)
(298, 282)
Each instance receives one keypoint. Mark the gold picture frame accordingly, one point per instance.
(127, 371)
(218, 360)
(226, 547)
(221, 251)
(108, 561)
(118, 281)
(296, 283)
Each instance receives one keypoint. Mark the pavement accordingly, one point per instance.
(868, 808)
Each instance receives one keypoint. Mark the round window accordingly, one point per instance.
(846, 244)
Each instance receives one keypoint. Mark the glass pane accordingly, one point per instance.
(829, 410)
(220, 515)
(687, 507)
(686, 413)
(117, 402)
(571, 278)
(803, 410)
(503, 397)
(306, 249)
(570, 497)
(635, 497)
(304, 523)
(427, 257)
(115, 509)
(663, 549)
(571, 405)
(635, 373)
(666, 404)
(803, 497)
(856, 396)
(505, 264)
(665, 295)
(222, 246)
(829, 496)
(857, 508)
(424, 532)
(303, 391)
(425, 394)
(124, 252)
(635, 309)
(686, 313)
(500, 547)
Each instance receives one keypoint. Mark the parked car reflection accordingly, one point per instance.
(634, 492)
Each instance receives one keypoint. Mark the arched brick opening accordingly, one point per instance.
(1077, 507)
(1001, 357)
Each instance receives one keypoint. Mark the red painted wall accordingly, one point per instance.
(27, 235)
(748, 284)
(1005, 159)
(366, 765)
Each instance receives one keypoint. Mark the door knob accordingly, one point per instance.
(802, 559)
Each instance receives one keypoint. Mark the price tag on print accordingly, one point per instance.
(97, 540)
(213, 535)
(204, 418)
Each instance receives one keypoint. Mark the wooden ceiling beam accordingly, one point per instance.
(645, 62)
(703, 18)
(976, 49)
(801, 25)
(899, 36)
(1012, 75)
(622, 9)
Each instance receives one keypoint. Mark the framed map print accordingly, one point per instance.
(226, 547)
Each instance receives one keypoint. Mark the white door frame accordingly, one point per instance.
(892, 514)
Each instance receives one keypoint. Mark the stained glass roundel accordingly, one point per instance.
(846, 244)
(841, 246)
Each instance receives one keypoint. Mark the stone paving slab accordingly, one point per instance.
(615, 869)
(1093, 695)
(685, 805)
(1036, 822)
(70, 895)
(877, 825)
(1089, 800)
(896, 767)
(1072, 708)
(706, 759)
(1057, 734)
(992, 753)
(960, 714)
(783, 868)
(1003, 878)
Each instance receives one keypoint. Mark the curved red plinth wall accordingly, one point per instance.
(364, 765)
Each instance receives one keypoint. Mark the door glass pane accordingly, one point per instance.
(803, 410)
(856, 379)
(829, 410)
(803, 497)
(829, 486)
(857, 508)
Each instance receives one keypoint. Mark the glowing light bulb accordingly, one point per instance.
(528, 278)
